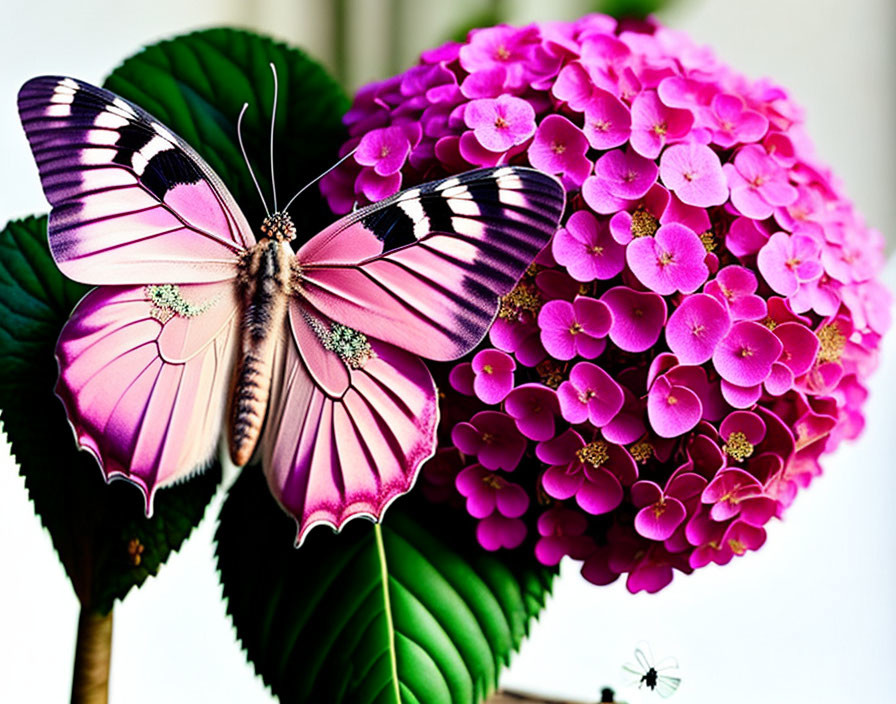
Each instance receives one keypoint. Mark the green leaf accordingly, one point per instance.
(412, 610)
(196, 86)
(103, 539)
(631, 9)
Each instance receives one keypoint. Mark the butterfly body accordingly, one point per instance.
(268, 276)
(312, 357)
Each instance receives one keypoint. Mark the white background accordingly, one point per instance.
(809, 618)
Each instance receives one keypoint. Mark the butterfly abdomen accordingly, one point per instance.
(265, 281)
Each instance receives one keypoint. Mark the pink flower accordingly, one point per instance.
(696, 327)
(694, 173)
(608, 123)
(593, 472)
(493, 375)
(662, 512)
(498, 47)
(670, 261)
(574, 329)
(786, 261)
(500, 123)
(486, 491)
(590, 394)
(559, 147)
(672, 409)
(735, 286)
(745, 355)
(586, 248)
(732, 123)
(492, 437)
(619, 177)
(384, 149)
(497, 531)
(655, 124)
(638, 318)
(562, 533)
(533, 407)
(758, 184)
(736, 493)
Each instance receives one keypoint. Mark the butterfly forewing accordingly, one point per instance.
(132, 203)
(436, 258)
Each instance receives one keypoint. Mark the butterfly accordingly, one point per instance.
(661, 678)
(309, 359)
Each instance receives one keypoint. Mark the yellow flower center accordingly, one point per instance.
(737, 547)
(550, 373)
(493, 481)
(832, 343)
(641, 451)
(524, 297)
(643, 223)
(738, 446)
(594, 453)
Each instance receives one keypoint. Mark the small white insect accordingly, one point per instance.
(660, 677)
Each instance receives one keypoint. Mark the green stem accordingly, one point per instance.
(390, 626)
(93, 652)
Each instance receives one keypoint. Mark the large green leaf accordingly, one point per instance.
(196, 85)
(105, 542)
(411, 610)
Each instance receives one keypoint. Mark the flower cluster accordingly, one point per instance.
(698, 333)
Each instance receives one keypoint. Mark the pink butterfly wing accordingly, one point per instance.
(343, 442)
(132, 203)
(145, 371)
(424, 269)
(419, 273)
(145, 388)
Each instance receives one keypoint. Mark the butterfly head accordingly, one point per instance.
(279, 227)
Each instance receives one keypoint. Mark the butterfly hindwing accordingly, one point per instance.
(132, 203)
(144, 374)
(345, 435)
(424, 269)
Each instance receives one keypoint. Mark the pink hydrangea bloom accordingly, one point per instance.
(699, 333)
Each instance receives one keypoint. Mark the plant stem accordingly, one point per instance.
(93, 651)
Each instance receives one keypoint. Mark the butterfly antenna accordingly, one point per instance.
(305, 187)
(273, 120)
(239, 136)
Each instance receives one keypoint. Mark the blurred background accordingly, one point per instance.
(809, 618)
